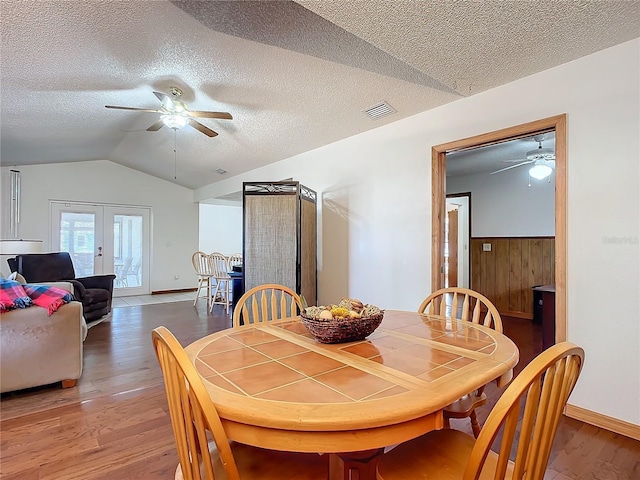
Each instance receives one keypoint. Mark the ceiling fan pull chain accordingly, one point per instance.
(529, 180)
(175, 161)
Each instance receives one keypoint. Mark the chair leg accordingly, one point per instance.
(446, 423)
(475, 426)
(198, 291)
(214, 296)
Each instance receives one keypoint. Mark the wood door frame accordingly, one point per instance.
(556, 123)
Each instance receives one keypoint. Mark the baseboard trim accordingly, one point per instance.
(603, 421)
(180, 290)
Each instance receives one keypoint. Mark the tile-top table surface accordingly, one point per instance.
(275, 386)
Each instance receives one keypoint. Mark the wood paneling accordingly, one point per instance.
(508, 272)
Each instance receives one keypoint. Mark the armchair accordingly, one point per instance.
(95, 293)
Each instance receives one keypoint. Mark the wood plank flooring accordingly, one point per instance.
(115, 425)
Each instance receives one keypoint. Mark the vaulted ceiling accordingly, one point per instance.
(294, 75)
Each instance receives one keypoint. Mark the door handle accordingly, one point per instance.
(99, 252)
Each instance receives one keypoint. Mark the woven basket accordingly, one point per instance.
(341, 330)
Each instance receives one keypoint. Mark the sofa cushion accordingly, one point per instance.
(12, 295)
(95, 295)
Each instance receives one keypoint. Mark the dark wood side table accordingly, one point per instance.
(547, 295)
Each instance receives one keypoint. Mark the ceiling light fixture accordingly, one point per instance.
(174, 121)
(540, 171)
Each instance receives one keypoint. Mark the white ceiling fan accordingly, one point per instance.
(175, 114)
(543, 159)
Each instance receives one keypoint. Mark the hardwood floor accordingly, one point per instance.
(114, 424)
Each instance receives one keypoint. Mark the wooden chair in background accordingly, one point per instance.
(266, 302)
(194, 416)
(202, 266)
(235, 260)
(543, 387)
(220, 273)
(470, 306)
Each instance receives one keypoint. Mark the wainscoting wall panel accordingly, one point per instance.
(506, 269)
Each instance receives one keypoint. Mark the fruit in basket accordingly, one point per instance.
(348, 308)
(339, 312)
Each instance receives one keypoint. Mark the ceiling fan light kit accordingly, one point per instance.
(540, 171)
(174, 121)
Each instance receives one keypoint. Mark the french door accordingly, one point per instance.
(105, 239)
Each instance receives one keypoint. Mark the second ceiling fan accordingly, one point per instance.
(175, 114)
(543, 159)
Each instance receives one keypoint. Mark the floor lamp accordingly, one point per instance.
(11, 248)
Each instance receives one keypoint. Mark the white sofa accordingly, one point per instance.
(38, 349)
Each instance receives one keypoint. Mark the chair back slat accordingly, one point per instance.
(265, 303)
(193, 415)
(544, 386)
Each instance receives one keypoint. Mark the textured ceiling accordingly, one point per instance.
(295, 76)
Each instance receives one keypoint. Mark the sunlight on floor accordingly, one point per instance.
(153, 299)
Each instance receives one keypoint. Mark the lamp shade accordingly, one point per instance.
(540, 171)
(18, 246)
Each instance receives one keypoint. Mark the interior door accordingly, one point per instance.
(105, 239)
(451, 249)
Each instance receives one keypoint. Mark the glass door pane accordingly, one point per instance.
(77, 229)
(130, 227)
(127, 250)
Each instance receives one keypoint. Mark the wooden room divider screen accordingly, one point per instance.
(280, 236)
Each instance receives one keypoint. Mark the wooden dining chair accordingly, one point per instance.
(235, 260)
(540, 391)
(202, 265)
(195, 420)
(471, 306)
(220, 268)
(265, 303)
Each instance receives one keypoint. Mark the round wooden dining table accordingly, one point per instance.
(275, 386)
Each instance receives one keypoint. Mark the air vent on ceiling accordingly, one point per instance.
(379, 110)
(221, 171)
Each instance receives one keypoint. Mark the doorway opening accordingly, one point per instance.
(557, 124)
(457, 240)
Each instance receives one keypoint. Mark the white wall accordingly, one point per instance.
(375, 235)
(174, 213)
(502, 205)
(220, 229)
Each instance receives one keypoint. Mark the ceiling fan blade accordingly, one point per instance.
(198, 126)
(150, 110)
(156, 126)
(510, 167)
(221, 115)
